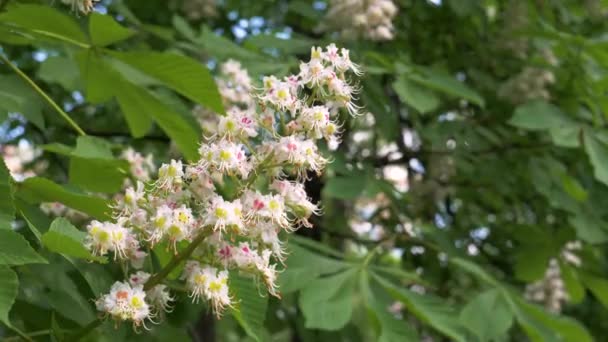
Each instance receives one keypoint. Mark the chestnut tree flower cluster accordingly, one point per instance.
(551, 289)
(83, 6)
(370, 19)
(232, 206)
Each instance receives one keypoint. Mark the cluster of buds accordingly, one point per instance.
(83, 6)
(199, 9)
(230, 206)
(371, 19)
(532, 83)
(551, 290)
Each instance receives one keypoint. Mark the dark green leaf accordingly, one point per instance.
(15, 250)
(37, 190)
(9, 286)
(420, 98)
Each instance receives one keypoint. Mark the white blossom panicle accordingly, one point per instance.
(550, 290)
(231, 206)
(370, 19)
(84, 6)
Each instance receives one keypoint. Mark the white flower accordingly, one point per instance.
(238, 124)
(223, 214)
(170, 174)
(104, 237)
(84, 6)
(125, 303)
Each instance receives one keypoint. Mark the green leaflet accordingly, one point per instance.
(15, 250)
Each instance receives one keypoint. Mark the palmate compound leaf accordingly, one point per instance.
(65, 239)
(538, 324)
(327, 302)
(430, 309)
(378, 302)
(303, 266)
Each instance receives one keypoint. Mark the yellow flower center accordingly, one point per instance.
(273, 205)
(319, 116)
(174, 231)
(200, 279)
(225, 155)
(103, 236)
(282, 94)
(182, 217)
(136, 302)
(215, 286)
(221, 213)
(160, 222)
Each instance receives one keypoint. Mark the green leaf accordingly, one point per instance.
(589, 228)
(327, 303)
(445, 83)
(104, 30)
(16, 96)
(293, 45)
(488, 315)
(576, 291)
(432, 310)
(99, 80)
(420, 98)
(250, 311)
(15, 250)
(347, 187)
(539, 115)
(180, 73)
(136, 100)
(392, 329)
(7, 206)
(36, 190)
(93, 156)
(598, 154)
(304, 266)
(64, 238)
(62, 70)
(566, 136)
(9, 287)
(43, 20)
(598, 286)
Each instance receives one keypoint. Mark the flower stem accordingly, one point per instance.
(43, 94)
(176, 260)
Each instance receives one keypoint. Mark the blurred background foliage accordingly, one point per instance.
(467, 203)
